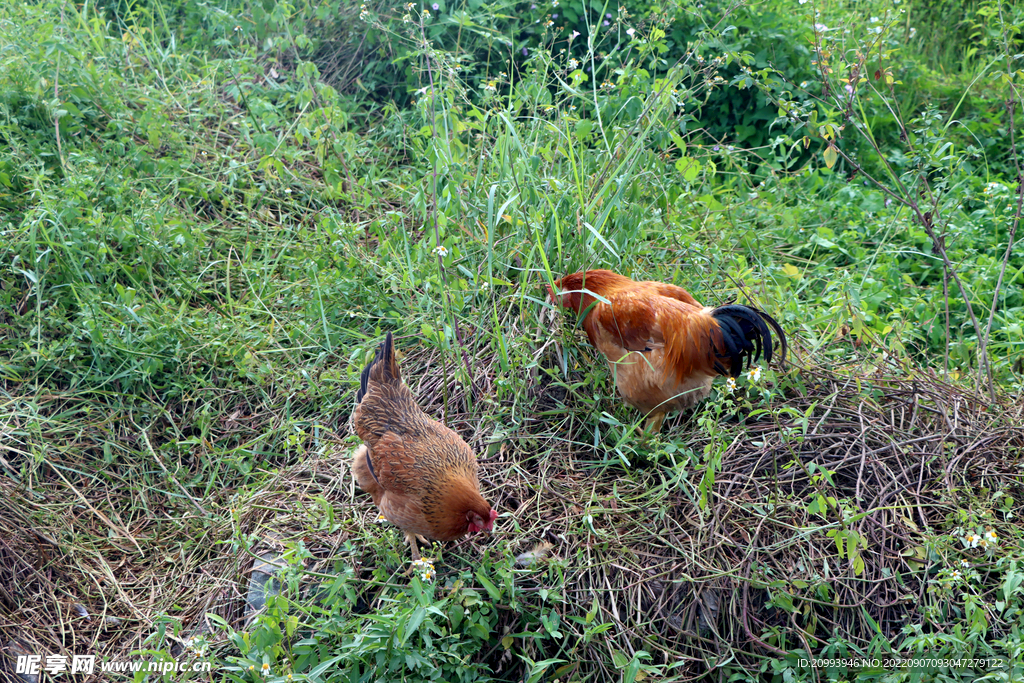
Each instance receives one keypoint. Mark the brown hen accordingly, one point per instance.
(421, 475)
(664, 348)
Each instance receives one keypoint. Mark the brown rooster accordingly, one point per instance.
(420, 473)
(663, 347)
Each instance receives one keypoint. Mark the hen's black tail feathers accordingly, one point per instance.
(745, 336)
(383, 367)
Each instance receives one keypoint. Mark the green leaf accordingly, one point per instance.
(413, 625)
(456, 614)
(689, 168)
(492, 590)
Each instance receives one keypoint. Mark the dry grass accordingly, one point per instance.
(94, 562)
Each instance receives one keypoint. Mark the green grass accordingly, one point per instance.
(202, 244)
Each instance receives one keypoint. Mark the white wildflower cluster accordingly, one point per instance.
(196, 646)
(994, 189)
(364, 14)
(573, 64)
(754, 374)
(425, 568)
(989, 539)
(730, 385)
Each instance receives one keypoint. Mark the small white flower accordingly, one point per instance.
(848, 88)
(440, 251)
(991, 537)
(755, 374)
(426, 569)
(630, 32)
(957, 575)
(730, 385)
(265, 671)
(874, 20)
(972, 540)
(381, 519)
(573, 63)
(965, 564)
(820, 27)
(426, 14)
(575, 34)
(436, 7)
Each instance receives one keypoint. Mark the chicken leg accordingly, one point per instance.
(653, 425)
(412, 538)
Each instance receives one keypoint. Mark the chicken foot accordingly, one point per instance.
(412, 538)
(653, 425)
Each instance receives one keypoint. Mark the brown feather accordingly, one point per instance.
(663, 347)
(421, 474)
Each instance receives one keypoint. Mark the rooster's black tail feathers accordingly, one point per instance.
(745, 336)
